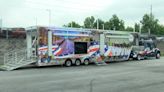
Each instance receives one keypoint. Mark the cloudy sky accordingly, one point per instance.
(24, 13)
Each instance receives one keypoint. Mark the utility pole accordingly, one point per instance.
(151, 11)
(149, 31)
(97, 24)
(134, 29)
(151, 16)
(140, 30)
(7, 33)
(103, 26)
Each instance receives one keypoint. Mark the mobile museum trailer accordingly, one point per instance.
(75, 46)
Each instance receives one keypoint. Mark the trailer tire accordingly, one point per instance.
(77, 62)
(86, 62)
(68, 62)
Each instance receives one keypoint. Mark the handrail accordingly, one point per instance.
(14, 57)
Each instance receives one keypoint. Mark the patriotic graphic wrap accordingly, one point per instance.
(63, 44)
(63, 47)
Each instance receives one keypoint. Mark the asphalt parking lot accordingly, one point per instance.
(127, 76)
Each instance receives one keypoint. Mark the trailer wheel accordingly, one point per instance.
(77, 62)
(68, 62)
(86, 62)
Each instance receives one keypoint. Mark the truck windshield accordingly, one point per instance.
(150, 45)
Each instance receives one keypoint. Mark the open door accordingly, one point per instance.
(32, 38)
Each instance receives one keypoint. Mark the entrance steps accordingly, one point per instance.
(16, 59)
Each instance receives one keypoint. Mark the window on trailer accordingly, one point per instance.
(80, 47)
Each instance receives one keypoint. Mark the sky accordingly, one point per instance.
(25, 13)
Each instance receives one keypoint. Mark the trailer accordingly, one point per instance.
(73, 46)
(68, 46)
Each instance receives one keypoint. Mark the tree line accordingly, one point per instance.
(147, 24)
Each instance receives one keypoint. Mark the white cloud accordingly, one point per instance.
(68, 5)
(24, 12)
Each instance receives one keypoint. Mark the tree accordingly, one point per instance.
(107, 25)
(129, 29)
(149, 23)
(116, 24)
(73, 24)
(160, 30)
(137, 27)
(89, 22)
(121, 25)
